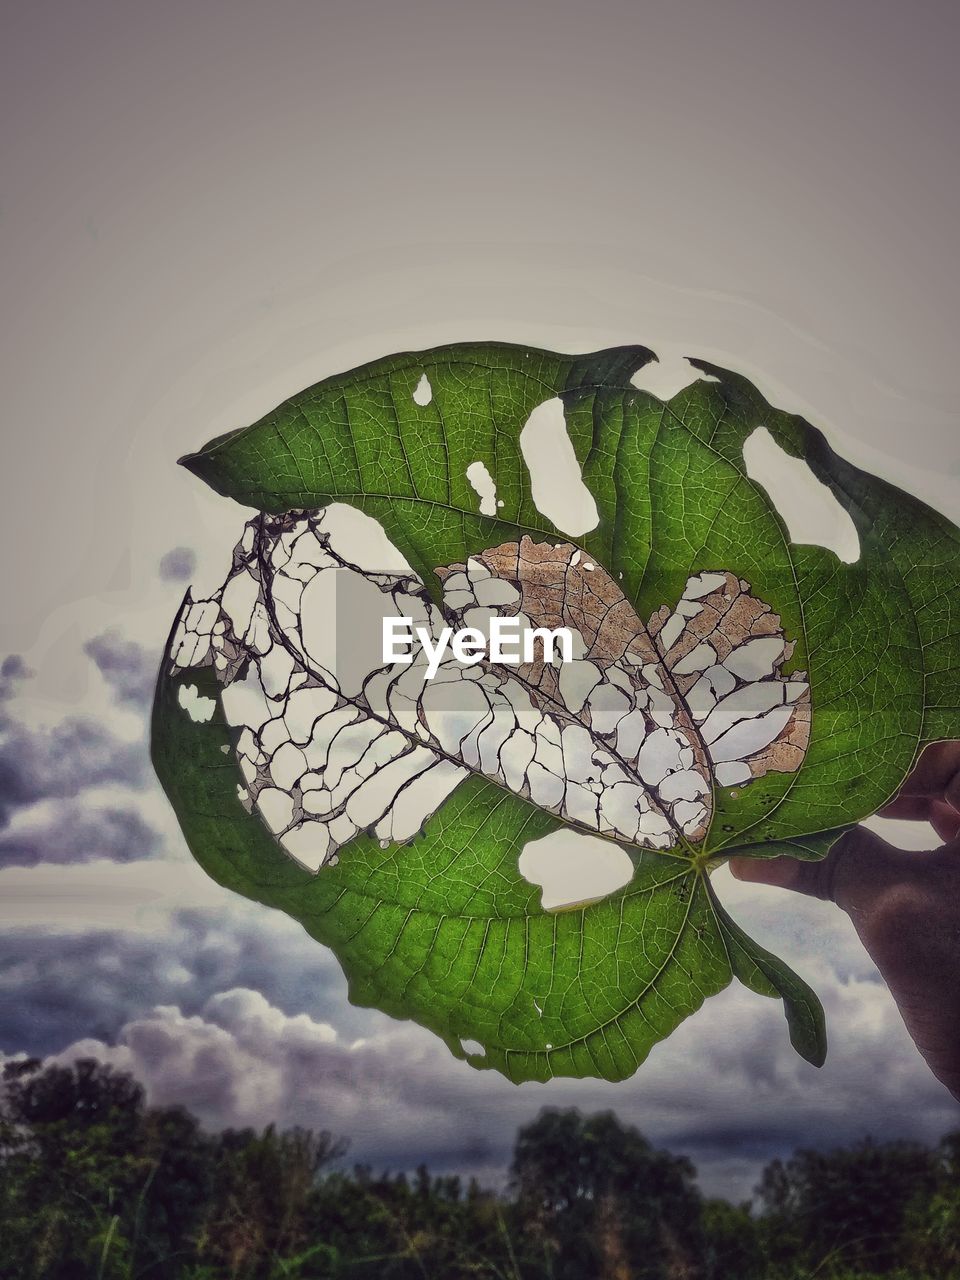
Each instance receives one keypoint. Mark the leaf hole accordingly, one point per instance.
(667, 377)
(307, 844)
(423, 391)
(484, 487)
(342, 616)
(571, 868)
(556, 481)
(807, 506)
(199, 708)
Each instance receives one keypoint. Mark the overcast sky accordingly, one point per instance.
(206, 208)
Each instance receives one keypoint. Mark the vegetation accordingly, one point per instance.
(94, 1183)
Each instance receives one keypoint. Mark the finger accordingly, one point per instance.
(908, 808)
(811, 878)
(903, 907)
(945, 820)
(937, 774)
(860, 867)
(859, 860)
(943, 817)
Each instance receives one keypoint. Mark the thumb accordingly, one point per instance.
(859, 858)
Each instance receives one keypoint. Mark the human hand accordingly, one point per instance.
(904, 905)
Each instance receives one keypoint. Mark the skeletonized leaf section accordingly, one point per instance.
(705, 676)
(605, 742)
(724, 651)
(626, 740)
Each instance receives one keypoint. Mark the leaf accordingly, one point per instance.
(627, 739)
(764, 973)
(445, 930)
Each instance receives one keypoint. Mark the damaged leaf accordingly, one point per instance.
(627, 738)
(731, 691)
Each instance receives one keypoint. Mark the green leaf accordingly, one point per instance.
(445, 930)
(764, 973)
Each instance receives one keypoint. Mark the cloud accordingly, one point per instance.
(73, 831)
(13, 669)
(59, 782)
(61, 762)
(234, 1011)
(81, 980)
(127, 667)
(242, 1061)
(178, 565)
(725, 1089)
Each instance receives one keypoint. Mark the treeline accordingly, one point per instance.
(94, 1183)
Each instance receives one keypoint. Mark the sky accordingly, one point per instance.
(206, 208)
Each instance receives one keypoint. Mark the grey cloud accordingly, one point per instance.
(240, 1061)
(13, 670)
(128, 668)
(252, 1026)
(57, 764)
(75, 831)
(55, 988)
(42, 764)
(178, 565)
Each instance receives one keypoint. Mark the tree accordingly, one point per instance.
(261, 1197)
(602, 1201)
(847, 1207)
(932, 1235)
(91, 1183)
(95, 1183)
(732, 1246)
